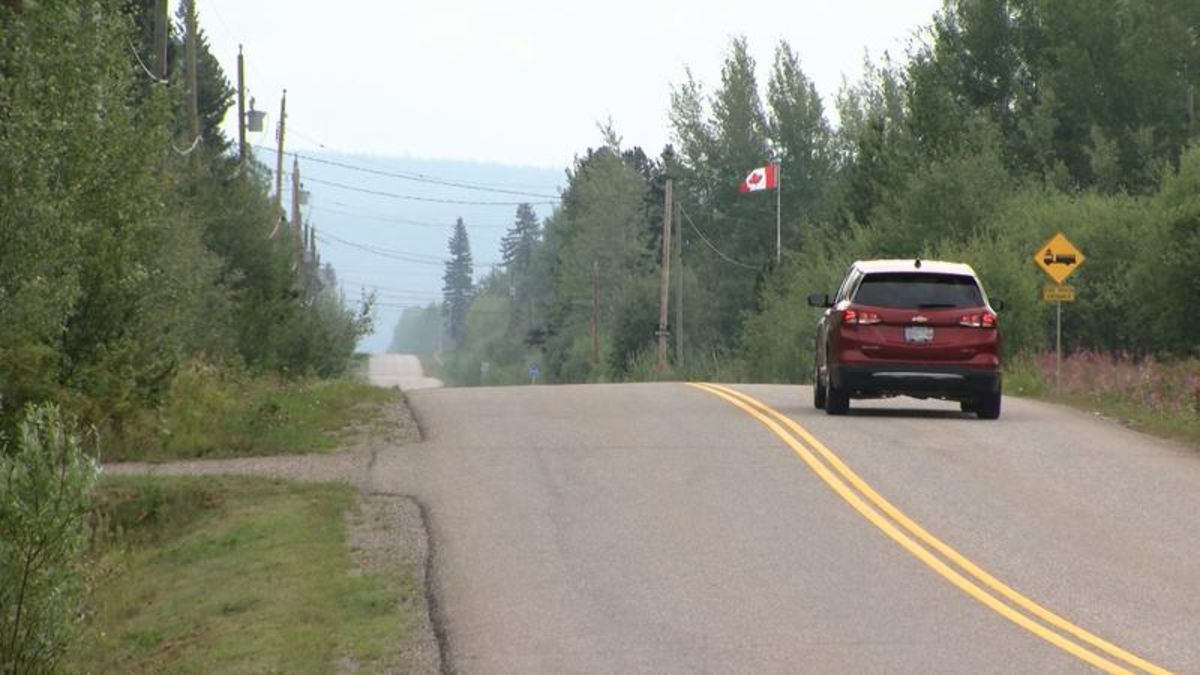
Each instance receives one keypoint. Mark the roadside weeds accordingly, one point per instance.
(382, 542)
(1154, 397)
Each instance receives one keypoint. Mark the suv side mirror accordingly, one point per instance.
(819, 300)
(997, 304)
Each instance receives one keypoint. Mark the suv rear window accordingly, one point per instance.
(918, 290)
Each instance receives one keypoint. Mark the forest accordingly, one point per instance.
(136, 260)
(1006, 121)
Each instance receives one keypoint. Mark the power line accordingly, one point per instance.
(382, 251)
(414, 198)
(389, 290)
(393, 219)
(313, 140)
(397, 293)
(344, 281)
(379, 251)
(189, 150)
(392, 305)
(712, 246)
(388, 297)
(415, 177)
(417, 174)
(394, 292)
(387, 171)
(154, 78)
(371, 293)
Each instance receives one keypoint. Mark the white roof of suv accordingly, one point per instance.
(914, 265)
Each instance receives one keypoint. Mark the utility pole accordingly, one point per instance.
(1191, 90)
(679, 288)
(299, 233)
(1191, 102)
(241, 106)
(193, 108)
(664, 281)
(279, 157)
(778, 211)
(297, 230)
(595, 321)
(160, 39)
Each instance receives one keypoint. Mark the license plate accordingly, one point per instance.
(918, 334)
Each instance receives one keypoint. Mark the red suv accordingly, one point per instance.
(917, 328)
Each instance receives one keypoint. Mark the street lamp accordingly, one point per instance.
(254, 118)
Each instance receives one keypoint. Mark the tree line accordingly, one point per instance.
(128, 256)
(1006, 121)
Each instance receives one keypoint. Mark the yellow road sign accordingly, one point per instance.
(1058, 258)
(1058, 294)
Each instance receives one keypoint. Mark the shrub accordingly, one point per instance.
(46, 484)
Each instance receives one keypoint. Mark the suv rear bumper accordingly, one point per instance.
(955, 382)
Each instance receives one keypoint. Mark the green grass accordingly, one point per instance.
(235, 575)
(1175, 426)
(214, 413)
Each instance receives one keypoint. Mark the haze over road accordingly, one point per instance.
(399, 370)
(657, 527)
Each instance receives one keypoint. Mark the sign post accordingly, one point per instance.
(1058, 258)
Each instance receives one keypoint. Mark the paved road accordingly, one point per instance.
(399, 370)
(659, 528)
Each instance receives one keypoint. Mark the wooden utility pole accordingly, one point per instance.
(679, 289)
(282, 129)
(664, 281)
(297, 230)
(595, 320)
(1191, 90)
(160, 39)
(299, 236)
(241, 74)
(193, 106)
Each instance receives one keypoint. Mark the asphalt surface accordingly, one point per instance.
(399, 370)
(658, 528)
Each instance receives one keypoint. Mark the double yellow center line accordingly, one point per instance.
(933, 552)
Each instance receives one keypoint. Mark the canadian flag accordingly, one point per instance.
(762, 178)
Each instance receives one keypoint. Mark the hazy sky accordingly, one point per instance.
(516, 82)
(521, 81)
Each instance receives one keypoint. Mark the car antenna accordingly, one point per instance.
(917, 263)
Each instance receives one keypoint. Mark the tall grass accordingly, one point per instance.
(1159, 396)
(215, 412)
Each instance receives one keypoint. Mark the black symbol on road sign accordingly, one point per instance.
(1052, 258)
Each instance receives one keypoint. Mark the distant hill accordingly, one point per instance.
(377, 239)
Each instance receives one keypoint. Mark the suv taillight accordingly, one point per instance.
(984, 320)
(859, 317)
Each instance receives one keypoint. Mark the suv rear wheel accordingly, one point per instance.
(987, 406)
(837, 400)
(818, 390)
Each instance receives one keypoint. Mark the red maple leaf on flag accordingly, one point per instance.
(762, 178)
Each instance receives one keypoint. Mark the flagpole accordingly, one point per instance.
(778, 204)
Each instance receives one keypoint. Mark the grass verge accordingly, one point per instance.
(219, 413)
(236, 575)
(1156, 397)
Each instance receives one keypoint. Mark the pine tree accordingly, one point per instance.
(457, 285)
(517, 245)
(517, 249)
